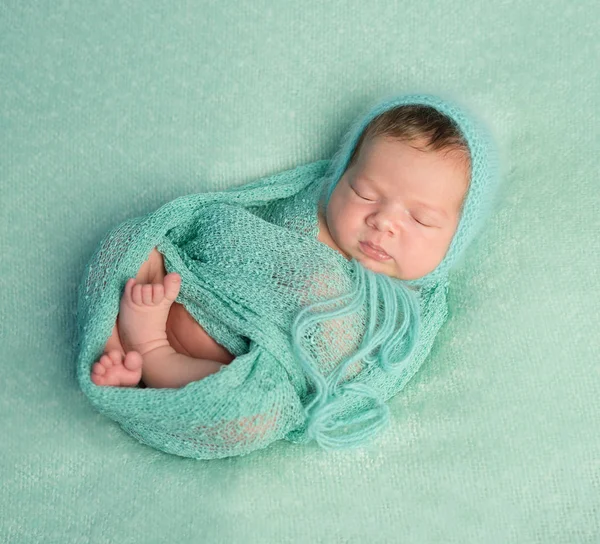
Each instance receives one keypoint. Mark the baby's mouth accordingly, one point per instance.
(375, 252)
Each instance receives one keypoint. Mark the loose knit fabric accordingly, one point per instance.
(320, 342)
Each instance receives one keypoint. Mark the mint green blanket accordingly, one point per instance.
(320, 343)
(111, 109)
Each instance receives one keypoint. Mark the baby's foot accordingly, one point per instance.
(115, 368)
(144, 311)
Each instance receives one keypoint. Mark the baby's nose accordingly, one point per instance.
(384, 220)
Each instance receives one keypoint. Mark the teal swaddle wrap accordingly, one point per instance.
(320, 342)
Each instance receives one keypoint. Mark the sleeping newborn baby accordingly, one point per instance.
(292, 307)
(395, 210)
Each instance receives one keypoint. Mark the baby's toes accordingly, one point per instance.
(147, 294)
(101, 371)
(99, 368)
(133, 361)
(129, 289)
(115, 356)
(158, 293)
(172, 283)
(110, 359)
(136, 294)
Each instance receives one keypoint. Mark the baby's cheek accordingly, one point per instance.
(349, 232)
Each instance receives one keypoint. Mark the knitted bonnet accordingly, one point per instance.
(483, 182)
(402, 324)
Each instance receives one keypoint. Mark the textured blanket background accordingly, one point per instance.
(108, 109)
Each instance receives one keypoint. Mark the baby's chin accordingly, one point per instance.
(381, 267)
(390, 268)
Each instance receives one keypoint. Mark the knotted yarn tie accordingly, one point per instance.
(328, 415)
(326, 412)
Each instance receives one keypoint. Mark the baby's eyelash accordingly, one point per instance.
(423, 224)
(367, 199)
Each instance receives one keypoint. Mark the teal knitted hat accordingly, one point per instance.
(407, 323)
(484, 172)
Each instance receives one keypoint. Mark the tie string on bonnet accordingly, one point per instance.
(330, 408)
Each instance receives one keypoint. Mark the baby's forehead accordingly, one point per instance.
(388, 146)
(443, 172)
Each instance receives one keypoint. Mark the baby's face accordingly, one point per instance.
(401, 199)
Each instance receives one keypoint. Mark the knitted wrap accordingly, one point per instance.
(320, 342)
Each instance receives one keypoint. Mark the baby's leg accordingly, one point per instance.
(184, 333)
(140, 330)
(163, 367)
(152, 270)
(115, 367)
(144, 310)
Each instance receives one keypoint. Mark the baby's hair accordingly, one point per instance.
(411, 123)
